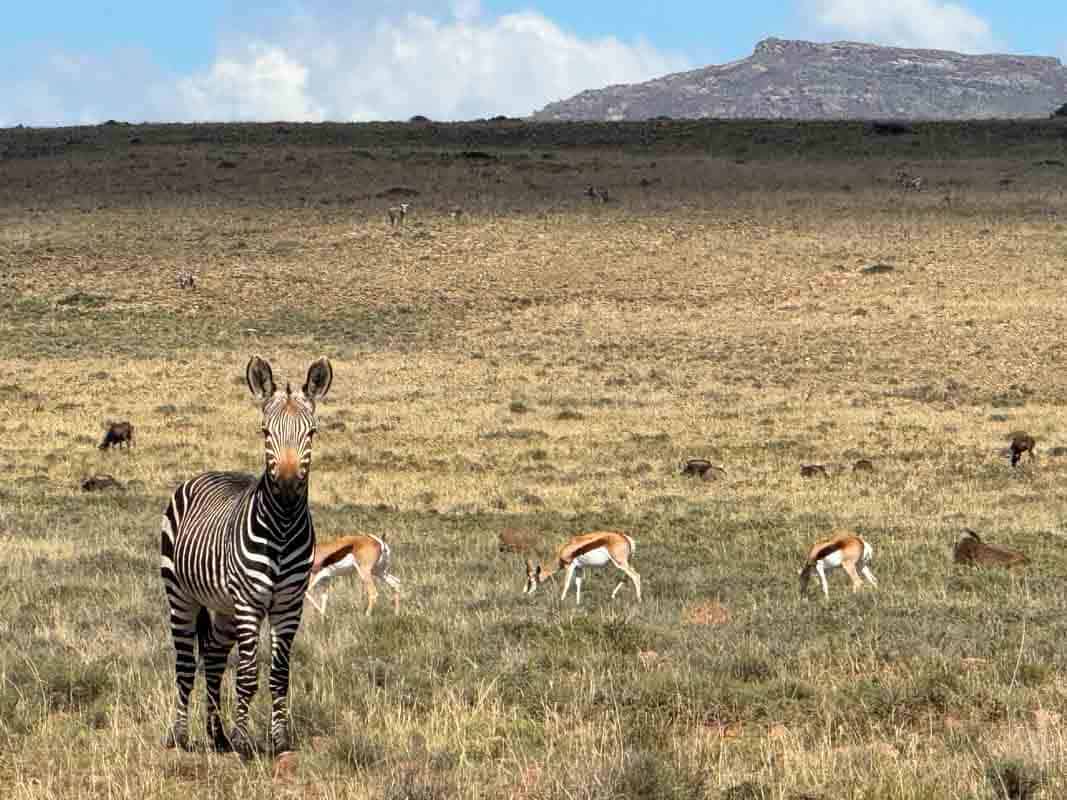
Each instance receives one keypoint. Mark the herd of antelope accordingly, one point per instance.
(369, 557)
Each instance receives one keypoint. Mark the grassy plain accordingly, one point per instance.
(546, 364)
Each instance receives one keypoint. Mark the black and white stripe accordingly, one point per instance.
(237, 550)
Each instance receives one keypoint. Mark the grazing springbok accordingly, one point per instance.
(366, 555)
(590, 550)
(236, 550)
(843, 549)
(398, 213)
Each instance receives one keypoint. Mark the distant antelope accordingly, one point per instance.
(813, 471)
(1022, 443)
(587, 550)
(455, 212)
(117, 433)
(972, 550)
(597, 195)
(702, 468)
(367, 556)
(398, 213)
(514, 541)
(909, 182)
(845, 550)
(186, 280)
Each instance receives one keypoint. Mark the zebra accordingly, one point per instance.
(237, 549)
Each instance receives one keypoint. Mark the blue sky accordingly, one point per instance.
(74, 62)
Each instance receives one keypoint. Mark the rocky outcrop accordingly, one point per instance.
(840, 80)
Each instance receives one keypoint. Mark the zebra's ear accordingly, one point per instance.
(320, 376)
(260, 379)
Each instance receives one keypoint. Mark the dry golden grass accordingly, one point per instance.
(548, 372)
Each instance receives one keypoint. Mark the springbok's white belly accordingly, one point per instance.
(336, 569)
(831, 561)
(594, 558)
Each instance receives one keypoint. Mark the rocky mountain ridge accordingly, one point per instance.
(789, 79)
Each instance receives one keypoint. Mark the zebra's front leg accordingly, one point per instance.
(247, 620)
(216, 647)
(183, 630)
(283, 627)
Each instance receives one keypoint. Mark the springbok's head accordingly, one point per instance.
(535, 576)
(288, 425)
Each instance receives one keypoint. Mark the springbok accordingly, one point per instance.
(590, 550)
(366, 555)
(845, 550)
(397, 214)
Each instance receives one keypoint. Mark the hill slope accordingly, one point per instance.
(806, 80)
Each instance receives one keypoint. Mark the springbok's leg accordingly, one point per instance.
(850, 570)
(819, 568)
(567, 578)
(370, 588)
(635, 578)
(869, 575)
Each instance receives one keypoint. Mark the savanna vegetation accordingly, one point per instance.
(763, 295)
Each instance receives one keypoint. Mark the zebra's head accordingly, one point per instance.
(288, 424)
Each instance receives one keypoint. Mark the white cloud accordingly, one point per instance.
(445, 59)
(261, 82)
(906, 23)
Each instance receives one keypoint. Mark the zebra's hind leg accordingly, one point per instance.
(247, 622)
(183, 629)
(283, 627)
(216, 638)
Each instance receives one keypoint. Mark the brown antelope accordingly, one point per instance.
(1022, 443)
(972, 550)
(367, 556)
(845, 550)
(117, 433)
(590, 550)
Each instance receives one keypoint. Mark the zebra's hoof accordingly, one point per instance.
(282, 744)
(176, 738)
(221, 742)
(241, 743)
